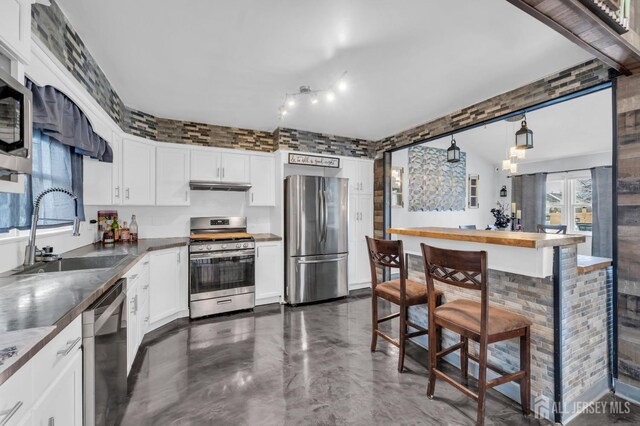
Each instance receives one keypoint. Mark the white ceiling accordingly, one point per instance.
(231, 62)
(578, 127)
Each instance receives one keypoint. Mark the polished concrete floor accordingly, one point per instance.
(297, 366)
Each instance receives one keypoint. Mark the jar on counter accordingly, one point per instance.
(125, 234)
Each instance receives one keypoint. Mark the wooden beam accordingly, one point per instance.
(581, 26)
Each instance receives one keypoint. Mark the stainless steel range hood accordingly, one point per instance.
(201, 185)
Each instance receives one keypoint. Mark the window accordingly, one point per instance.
(569, 201)
(54, 165)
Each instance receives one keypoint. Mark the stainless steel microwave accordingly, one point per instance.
(15, 126)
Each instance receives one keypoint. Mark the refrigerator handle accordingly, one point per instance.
(325, 215)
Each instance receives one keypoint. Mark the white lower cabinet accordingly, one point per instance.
(132, 322)
(47, 390)
(61, 404)
(269, 272)
(360, 226)
(16, 397)
(167, 296)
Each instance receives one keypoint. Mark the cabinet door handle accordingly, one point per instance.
(224, 302)
(117, 192)
(218, 172)
(258, 251)
(51, 422)
(223, 172)
(145, 287)
(8, 414)
(133, 277)
(70, 345)
(146, 319)
(186, 195)
(252, 197)
(178, 257)
(126, 193)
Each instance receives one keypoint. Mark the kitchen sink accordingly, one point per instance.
(74, 264)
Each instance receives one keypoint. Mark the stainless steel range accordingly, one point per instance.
(221, 266)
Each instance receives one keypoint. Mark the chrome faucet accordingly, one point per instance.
(30, 250)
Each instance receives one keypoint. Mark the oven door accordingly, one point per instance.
(218, 274)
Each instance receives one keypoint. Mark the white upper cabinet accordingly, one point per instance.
(102, 180)
(351, 171)
(263, 185)
(210, 165)
(360, 175)
(234, 168)
(138, 173)
(15, 28)
(205, 164)
(172, 176)
(366, 177)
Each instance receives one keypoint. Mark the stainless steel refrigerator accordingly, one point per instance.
(316, 238)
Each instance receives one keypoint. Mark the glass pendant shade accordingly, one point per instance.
(453, 153)
(506, 164)
(514, 168)
(524, 137)
(517, 154)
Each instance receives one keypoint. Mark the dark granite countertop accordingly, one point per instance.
(261, 238)
(56, 299)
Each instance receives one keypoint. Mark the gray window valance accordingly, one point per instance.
(59, 117)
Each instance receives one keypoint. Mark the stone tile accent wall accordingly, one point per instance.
(189, 132)
(559, 84)
(585, 348)
(53, 29)
(628, 186)
(304, 141)
(57, 34)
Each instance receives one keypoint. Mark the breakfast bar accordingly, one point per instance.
(540, 276)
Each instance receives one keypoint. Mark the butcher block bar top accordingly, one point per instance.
(504, 238)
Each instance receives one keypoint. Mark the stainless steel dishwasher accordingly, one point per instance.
(104, 339)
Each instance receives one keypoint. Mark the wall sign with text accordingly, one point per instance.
(314, 160)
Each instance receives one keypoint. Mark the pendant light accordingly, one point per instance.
(453, 153)
(524, 136)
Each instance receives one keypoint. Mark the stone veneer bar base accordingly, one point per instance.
(585, 337)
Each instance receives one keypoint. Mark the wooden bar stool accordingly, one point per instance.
(401, 292)
(473, 320)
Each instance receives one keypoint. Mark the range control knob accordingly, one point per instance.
(245, 245)
(209, 247)
(238, 245)
(224, 246)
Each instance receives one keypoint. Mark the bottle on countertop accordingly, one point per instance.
(116, 229)
(133, 229)
(125, 234)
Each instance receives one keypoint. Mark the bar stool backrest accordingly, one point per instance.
(466, 269)
(552, 229)
(385, 254)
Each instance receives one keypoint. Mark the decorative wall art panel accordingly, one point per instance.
(434, 184)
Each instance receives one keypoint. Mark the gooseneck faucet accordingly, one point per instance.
(30, 250)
